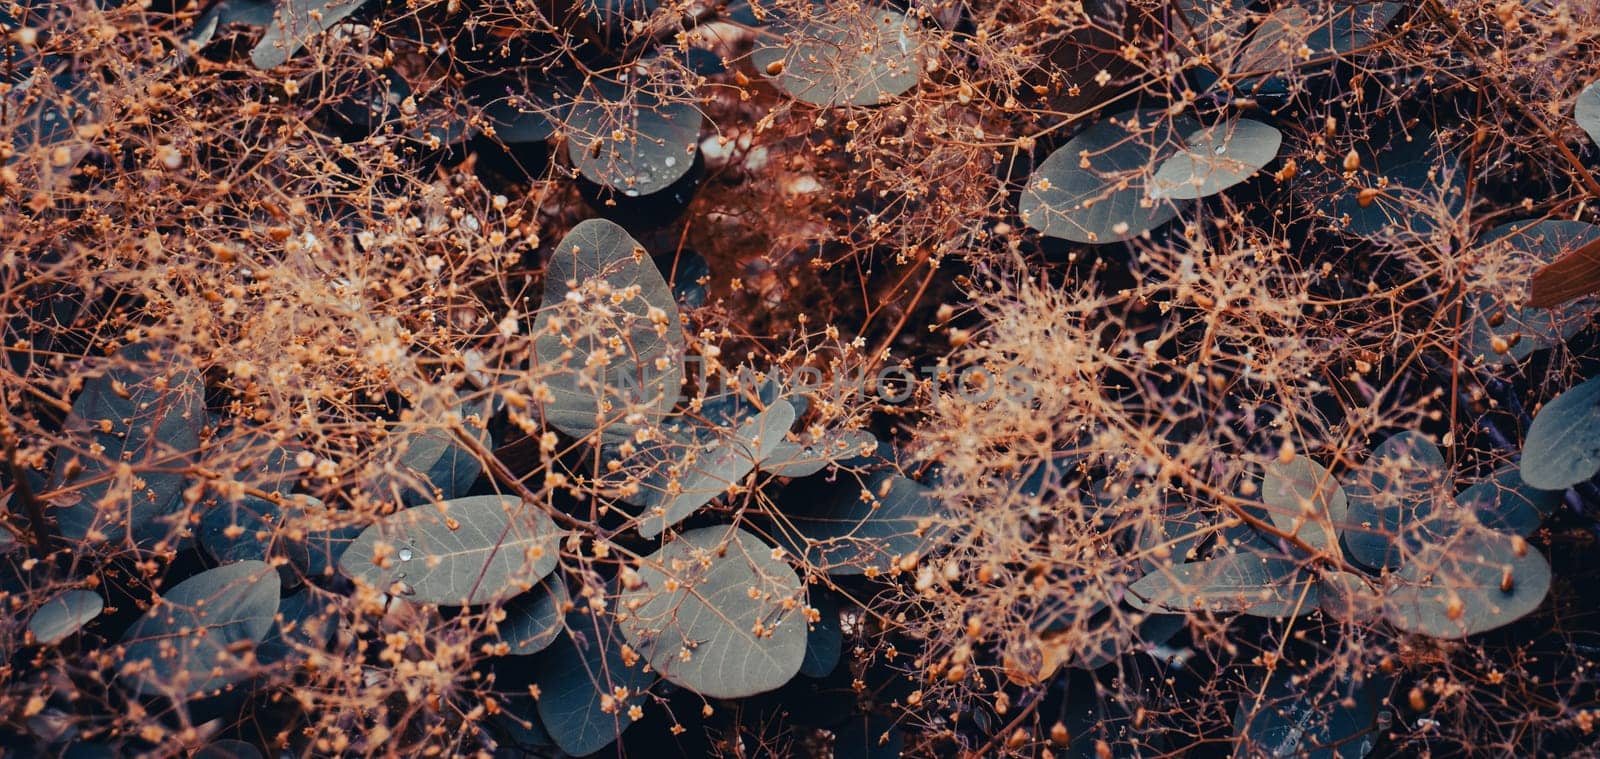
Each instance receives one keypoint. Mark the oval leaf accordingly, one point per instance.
(533, 619)
(646, 374)
(1563, 444)
(1348, 597)
(295, 22)
(146, 411)
(1404, 179)
(1392, 498)
(315, 547)
(1587, 111)
(456, 553)
(825, 638)
(658, 142)
(518, 722)
(1214, 159)
(1277, 43)
(697, 472)
(1310, 718)
(522, 110)
(858, 527)
(434, 465)
(248, 12)
(862, 57)
(1473, 583)
(239, 531)
(1504, 502)
(304, 621)
(811, 455)
(251, 456)
(579, 678)
(1497, 298)
(1304, 500)
(1264, 586)
(1092, 189)
(717, 613)
(64, 615)
(189, 642)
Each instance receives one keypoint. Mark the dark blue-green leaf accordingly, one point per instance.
(1496, 296)
(1093, 189)
(533, 619)
(463, 552)
(1562, 448)
(692, 470)
(255, 520)
(1504, 502)
(865, 525)
(717, 612)
(1392, 499)
(146, 411)
(660, 136)
(579, 675)
(295, 22)
(1260, 585)
(188, 642)
(305, 621)
(1473, 582)
(825, 639)
(1587, 110)
(846, 55)
(1307, 716)
(64, 615)
(646, 374)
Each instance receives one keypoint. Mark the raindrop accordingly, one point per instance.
(405, 554)
(670, 161)
(1220, 149)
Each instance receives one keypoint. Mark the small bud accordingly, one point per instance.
(1352, 160)
(169, 157)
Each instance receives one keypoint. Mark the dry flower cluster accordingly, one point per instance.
(1089, 378)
